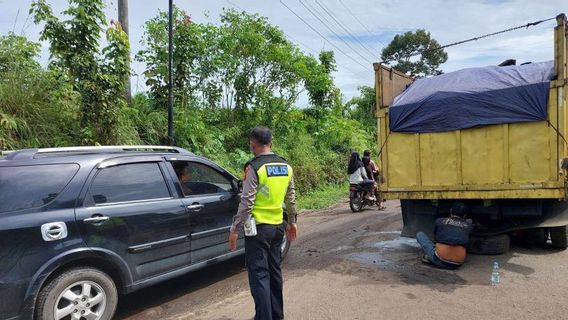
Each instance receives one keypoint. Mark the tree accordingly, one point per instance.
(98, 75)
(242, 64)
(402, 51)
(363, 106)
(319, 80)
(188, 46)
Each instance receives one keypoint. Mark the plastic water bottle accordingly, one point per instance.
(495, 277)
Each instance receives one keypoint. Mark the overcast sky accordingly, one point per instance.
(360, 39)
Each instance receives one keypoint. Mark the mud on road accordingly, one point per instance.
(356, 266)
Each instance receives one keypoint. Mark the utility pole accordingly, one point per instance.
(170, 73)
(123, 19)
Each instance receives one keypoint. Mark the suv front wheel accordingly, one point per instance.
(78, 294)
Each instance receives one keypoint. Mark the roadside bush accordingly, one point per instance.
(37, 107)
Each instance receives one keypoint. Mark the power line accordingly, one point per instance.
(287, 35)
(331, 30)
(345, 28)
(321, 35)
(303, 44)
(314, 51)
(235, 5)
(359, 21)
(327, 23)
(16, 21)
(530, 24)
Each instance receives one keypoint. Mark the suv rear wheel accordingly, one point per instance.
(78, 294)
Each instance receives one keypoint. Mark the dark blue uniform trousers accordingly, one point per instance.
(263, 257)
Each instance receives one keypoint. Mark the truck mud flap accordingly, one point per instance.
(418, 215)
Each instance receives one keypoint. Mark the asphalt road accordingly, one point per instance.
(355, 266)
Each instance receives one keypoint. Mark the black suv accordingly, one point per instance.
(79, 225)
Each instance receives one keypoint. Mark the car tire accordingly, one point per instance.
(78, 291)
(559, 237)
(491, 245)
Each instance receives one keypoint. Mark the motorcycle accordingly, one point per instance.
(358, 198)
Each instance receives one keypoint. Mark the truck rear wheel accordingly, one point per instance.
(559, 237)
(537, 237)
(491, 245)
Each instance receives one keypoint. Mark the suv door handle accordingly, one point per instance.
(195, 207)
(96, 219)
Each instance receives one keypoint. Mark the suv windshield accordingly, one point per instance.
(24, 187)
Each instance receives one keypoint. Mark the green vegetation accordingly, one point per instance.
(97, 75)
(323, 196)
(228, 78)
(404, 48)
(38, 107)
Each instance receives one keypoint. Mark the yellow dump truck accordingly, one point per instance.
(508, 162)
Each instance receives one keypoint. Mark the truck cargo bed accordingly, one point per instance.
(500, 161)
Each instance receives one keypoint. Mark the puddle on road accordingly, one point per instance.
(383, 232)
(397, 244)
(375, 259)
(386, 250)
(390, 252)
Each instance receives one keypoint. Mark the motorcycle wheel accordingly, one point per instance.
(356, 202)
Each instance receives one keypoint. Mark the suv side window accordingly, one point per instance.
(25, 187)
(197, 178)
(128, 182)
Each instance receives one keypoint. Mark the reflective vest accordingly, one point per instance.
(274, 175)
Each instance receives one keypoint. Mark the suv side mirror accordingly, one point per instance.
(238, 185)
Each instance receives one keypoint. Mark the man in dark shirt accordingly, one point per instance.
(451, 236)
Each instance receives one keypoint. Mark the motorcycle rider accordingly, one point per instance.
(358, 175)
(373, 173)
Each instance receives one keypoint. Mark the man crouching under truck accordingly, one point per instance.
(451, 235)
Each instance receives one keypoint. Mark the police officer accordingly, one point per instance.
(267, 186)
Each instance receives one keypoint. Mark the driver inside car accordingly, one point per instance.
(182, 172)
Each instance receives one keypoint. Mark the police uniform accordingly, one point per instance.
(267, 186)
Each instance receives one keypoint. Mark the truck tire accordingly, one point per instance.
(81, 292)
(489, 245)
(537, 237)
(559, 237)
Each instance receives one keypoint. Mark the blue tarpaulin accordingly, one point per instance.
(474, 97)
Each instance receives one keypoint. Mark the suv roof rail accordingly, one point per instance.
(31, 153)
